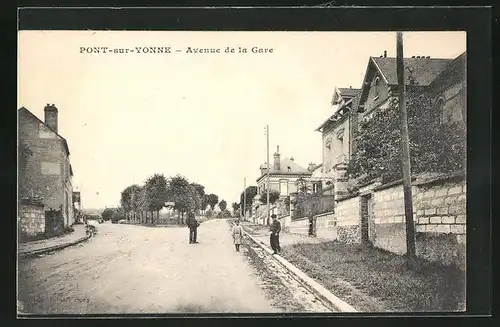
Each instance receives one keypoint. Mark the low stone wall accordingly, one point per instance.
(31, 219)
(285, 223)
(299, 226)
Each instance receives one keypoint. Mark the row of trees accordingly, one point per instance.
(143, 203)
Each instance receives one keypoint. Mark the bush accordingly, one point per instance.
(434, 146)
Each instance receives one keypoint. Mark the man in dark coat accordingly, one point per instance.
(193, 227)
(275, 235)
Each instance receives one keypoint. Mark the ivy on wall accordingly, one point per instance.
(434, 146)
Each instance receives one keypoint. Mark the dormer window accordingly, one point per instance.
(289, 169)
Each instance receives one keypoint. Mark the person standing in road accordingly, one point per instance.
(274, 239)
(193, 225)
(237, 233)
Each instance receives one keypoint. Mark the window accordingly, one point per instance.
(284, 187)
(376, 86)
(289, 169)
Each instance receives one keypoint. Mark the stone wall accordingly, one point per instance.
(347, 214)
(388, 228)
(299, 226)
(31, 219)
(439, 206)
(326, 226)
(440, 221)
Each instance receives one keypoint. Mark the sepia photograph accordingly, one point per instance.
(253, 172)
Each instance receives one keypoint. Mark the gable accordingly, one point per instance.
(43, 131)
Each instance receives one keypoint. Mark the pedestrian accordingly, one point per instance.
(237, 233)
(274, 238)
(193, 225)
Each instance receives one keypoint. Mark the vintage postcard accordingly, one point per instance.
(254, 172)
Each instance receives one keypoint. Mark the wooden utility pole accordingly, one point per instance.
(268, 168)
(244, 198)
(405, 150)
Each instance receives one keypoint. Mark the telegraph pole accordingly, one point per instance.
(267, 171)
(244, 198)
(405, 150)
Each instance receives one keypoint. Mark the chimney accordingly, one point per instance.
(277, 158)
(51, 116)
(385, 53)
(292, 158)
(311, 166)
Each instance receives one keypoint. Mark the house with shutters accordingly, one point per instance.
(44, 163)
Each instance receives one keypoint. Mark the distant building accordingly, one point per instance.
(283, 175)
(44, 164)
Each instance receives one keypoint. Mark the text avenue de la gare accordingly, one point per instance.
(168, 49)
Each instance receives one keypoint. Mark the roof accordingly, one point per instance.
(458, 63)
(23, 109)
(352, 104)
(295, 169)
(349, 92)
(423, 70)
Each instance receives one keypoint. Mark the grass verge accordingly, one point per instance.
(374, 280)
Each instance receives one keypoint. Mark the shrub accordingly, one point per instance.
(434, 146)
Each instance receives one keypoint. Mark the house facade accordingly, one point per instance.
(285, 177)
(45, 170)
(337, 137)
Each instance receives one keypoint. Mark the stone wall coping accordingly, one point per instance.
(455, 176)
(347, 197)
(325, 214)
(31, 203)
(417, 180)
(299, 219)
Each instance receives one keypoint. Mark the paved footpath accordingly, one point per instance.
(78, 233)
(136, 269)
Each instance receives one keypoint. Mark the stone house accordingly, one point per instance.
(337, 137)
(44, 165)
(285, 177)
(421, 72)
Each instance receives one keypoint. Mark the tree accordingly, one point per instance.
(126, 199)
(200, 189)
(107, 214)
(118, 214)
(236, 208)
(222, 205)
(135, 198)
(434, 146)
(212, 200)
(302, 185)
(251, 192)
(156, 192)
(204, 202)
(273, 197)
(184, 195)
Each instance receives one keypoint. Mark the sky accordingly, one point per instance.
(129, 115)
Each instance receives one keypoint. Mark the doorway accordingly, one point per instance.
(366, 213)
